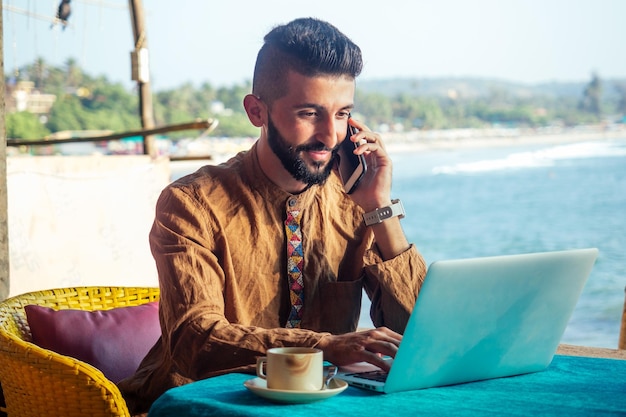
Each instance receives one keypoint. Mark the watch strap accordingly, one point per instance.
(383, 213)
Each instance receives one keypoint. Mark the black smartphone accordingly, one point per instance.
(351, 167)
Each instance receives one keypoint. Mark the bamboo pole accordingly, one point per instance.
(4, 228)
(208, 125)
(142, 76)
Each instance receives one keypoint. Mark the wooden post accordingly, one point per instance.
(4, 218)
(141, 74)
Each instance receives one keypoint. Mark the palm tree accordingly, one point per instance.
(73, 73)
(592, 96)
(39, 72)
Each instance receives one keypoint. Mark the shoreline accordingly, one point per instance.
(491, 138)
(222, 149)
(449, 139)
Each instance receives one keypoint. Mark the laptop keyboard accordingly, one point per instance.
(380, 376)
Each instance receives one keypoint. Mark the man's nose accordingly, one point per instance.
(328, 132)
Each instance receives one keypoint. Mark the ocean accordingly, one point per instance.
(471, 202)
(506, 200)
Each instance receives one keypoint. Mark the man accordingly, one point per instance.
(224, 236)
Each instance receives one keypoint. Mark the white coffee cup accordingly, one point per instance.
(292, 368)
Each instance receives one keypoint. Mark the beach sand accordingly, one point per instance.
(222, 149)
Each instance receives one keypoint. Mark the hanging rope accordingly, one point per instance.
(28, 13)
(16, 70)
(140, 41)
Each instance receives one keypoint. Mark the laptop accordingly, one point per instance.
(483, 318)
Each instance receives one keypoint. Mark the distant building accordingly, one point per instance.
(22, 96)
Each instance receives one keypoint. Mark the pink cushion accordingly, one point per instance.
(114, 341)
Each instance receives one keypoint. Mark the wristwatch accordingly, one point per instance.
(383, 213)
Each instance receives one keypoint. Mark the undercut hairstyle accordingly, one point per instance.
(308, 46)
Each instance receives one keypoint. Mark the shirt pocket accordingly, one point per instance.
(341, 306)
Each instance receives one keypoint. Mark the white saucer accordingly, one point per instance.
(259, 387)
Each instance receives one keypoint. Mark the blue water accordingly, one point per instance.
(496, 201)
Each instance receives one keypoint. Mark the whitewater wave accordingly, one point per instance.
(536, 159)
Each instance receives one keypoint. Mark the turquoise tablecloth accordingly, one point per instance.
(571, 386)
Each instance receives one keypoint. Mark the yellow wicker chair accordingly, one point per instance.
(39, 382)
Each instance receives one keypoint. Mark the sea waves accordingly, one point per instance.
(537, 158)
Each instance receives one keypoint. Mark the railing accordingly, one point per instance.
(206, 125)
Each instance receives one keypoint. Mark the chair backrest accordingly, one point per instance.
(621, 343)
(38, 382)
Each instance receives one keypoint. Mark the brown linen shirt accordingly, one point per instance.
(219, 244)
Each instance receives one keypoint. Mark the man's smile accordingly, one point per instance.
(319, 155)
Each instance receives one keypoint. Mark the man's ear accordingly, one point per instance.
(255, 109)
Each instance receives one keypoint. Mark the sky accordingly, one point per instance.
(197, 41)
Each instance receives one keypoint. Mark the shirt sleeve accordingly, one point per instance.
(393, 286)
(196, 334)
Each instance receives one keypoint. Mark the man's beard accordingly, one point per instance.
(292, 161)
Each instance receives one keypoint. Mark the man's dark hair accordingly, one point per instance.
(308, 46)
